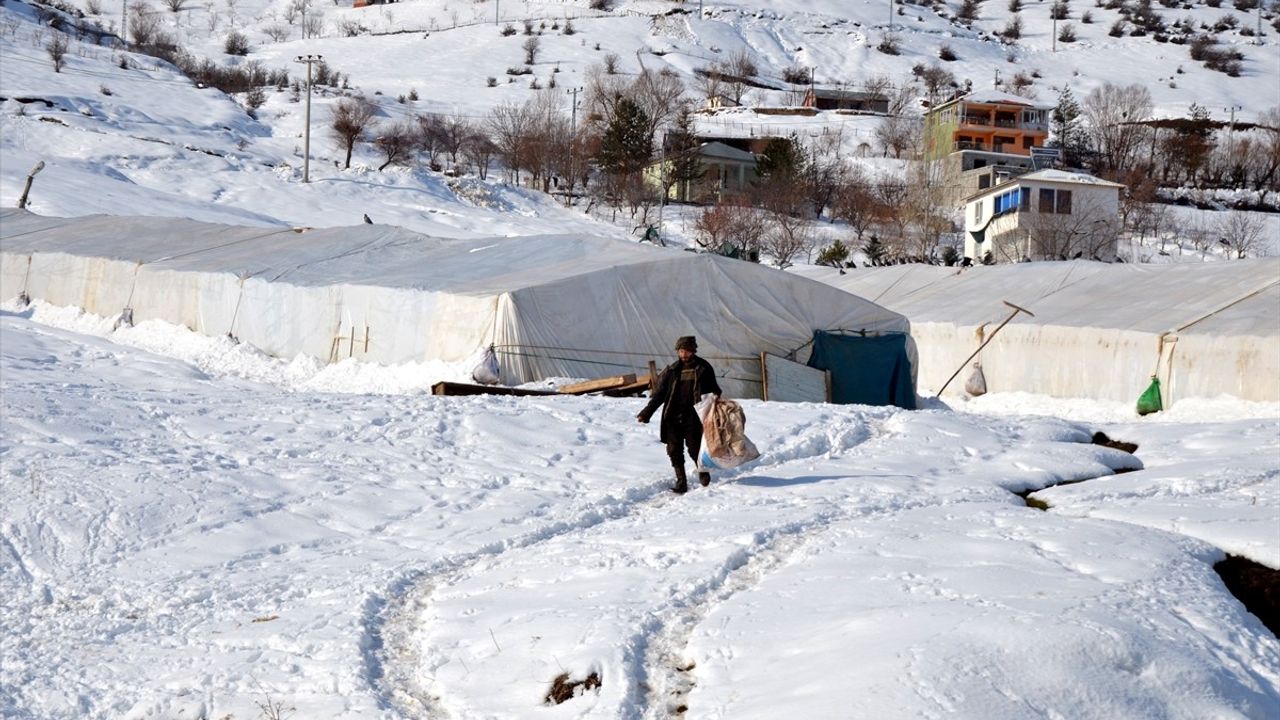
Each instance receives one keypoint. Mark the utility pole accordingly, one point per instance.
(307, 60)
(1233, 110)
(1053, 12)
(496, 5)
(124, 23)
(890, 16)
(573, 140)
(302, 6)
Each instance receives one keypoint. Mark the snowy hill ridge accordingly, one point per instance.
(120, 130)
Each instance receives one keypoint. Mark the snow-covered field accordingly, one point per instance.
(193, 530)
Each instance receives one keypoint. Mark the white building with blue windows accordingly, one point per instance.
(1044, 215)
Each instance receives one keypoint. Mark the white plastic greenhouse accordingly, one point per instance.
(1100, 330)
(553, 306)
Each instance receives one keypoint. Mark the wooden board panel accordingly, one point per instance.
(453, 388)
(788, 381)
(598, 384)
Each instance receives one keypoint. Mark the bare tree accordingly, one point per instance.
(732, 225)
(455, 133)
(709, 84)
(479, 151)
(143, 24)
(891, 194)
(175, 5)
(509, 128)
(1114, 114)
(854, 203)
(897, 133)
(531, 46)
(313, 25)
(1241, 231)
(660, 95)
(603, 92)
(396, 142)
(789, 231)
(350, 119)
(57, 49)
(1268, 172)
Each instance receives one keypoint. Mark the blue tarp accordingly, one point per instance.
(865, 370)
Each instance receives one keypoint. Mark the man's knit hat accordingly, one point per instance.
(688, 342)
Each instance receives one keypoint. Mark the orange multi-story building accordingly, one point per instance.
(989, 122)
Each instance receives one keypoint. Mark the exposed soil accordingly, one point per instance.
(1100, 438)
(1256, 586)
(562, 688)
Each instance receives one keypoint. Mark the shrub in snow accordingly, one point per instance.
(491, 81)
(889, 45)
(1086, 18)
(947, 54)
(1059, 10)
(236, 43)
(1013, 29)
(1067, 33)
(508, 30)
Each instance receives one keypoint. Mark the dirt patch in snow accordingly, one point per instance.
(562, 688)
(1256, 586)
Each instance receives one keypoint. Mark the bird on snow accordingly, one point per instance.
(367, 221)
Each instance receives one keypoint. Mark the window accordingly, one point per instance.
(977, 211)
(1046, 200)
(1064, 202)
(984, 182)
(1055, 201)
(1016, 199)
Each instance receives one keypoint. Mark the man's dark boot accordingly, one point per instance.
(682, 482)
(704, 479)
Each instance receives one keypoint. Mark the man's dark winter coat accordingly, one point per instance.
(664, 394)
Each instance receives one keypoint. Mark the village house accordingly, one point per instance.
(1044, 215)
(844, 99)
(727, 170)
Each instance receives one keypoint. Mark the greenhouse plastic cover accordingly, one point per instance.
(554, 306)
(1100, 330)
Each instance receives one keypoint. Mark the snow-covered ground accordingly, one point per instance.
(194, 530)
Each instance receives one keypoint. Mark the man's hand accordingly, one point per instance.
(642, 419)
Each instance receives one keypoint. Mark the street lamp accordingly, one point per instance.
(22, 201)
(307, 60)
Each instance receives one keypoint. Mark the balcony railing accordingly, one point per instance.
(984, 121)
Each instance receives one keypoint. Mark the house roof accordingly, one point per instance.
(718, 149)
(844, 93)
(1065, 177)
(996, 97)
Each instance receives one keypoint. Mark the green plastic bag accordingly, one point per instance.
(1149, 400)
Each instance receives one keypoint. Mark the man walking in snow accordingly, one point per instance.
(680, 385)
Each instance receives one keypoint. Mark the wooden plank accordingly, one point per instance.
(631, 390)
(789, 381)
(598, 384)
(460, 389)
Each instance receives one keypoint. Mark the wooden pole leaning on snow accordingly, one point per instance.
(964, 364)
